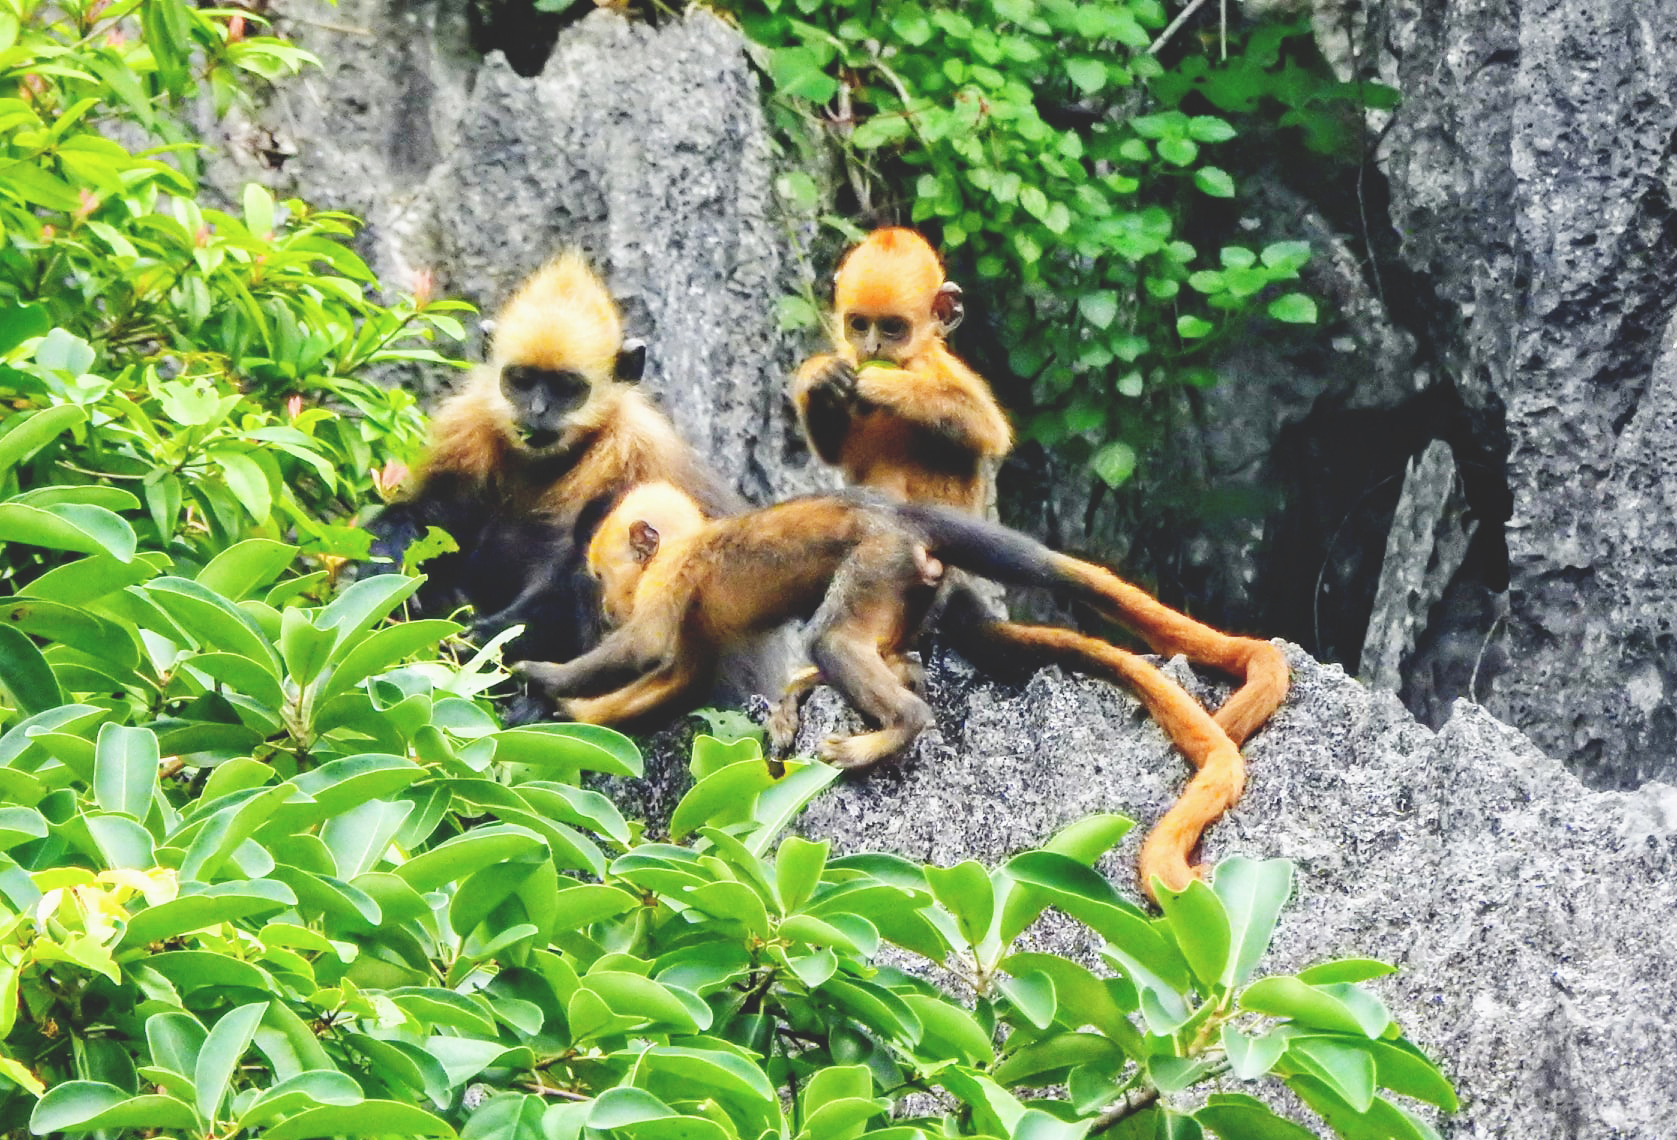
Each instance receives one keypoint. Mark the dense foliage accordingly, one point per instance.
(270, 866)
(1044, 144)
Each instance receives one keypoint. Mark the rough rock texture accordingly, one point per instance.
(1532, 919)
(644, 145)
(1531, 180)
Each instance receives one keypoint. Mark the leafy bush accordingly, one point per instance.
(1053, 153)
(154, 350)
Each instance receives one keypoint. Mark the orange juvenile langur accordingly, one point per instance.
(892, 406)
(863, 571)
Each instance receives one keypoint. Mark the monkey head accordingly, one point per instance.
(890, 298)
(651, 518)
(560, 357)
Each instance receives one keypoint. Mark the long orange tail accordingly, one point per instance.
(1261, 667)
(1221, 772)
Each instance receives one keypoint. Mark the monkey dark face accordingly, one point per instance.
(542, 399)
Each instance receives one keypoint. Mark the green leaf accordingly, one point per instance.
(1347, 1070)
(1401, 1067)
(125, 769)
(243, 567)
(965, 891)
(1088, 74)
(1294, 309)
(1214, 181)
(1286, 255)
(1209, 129)
(175, 1038)
(1253, 893)
(947, 1031)
(87, 1106)
(222, 1051)
(567, 747)
(224, 902)
(301, 1092)
(359, 837)
(797, 869)
(110, 643)
(24, 434)
(303, 647)
(1190, 327)
(1235, 1116)
(1383, 1120)
(259, 210)
(1252, 1057)
(1033, 996)
(1177, 151)
(1099, 309)
(1114, 463)
(1048, 1060)
(19, 323)
(20, 825)
(78, 527)
(26, 679)
(1313, 1006)
(456, 858)
(1343, 969)
(369, 1118)
(1200, 926)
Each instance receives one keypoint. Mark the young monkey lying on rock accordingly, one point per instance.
(683, 590)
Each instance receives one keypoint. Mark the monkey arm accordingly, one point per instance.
(621, 658)
(824, 394)
(943, 396)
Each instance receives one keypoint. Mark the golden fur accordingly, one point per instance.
(917, 424)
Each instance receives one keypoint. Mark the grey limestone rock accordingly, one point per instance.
(1531, 172)
(1532, 920)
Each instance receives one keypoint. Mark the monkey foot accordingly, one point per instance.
(859, 753)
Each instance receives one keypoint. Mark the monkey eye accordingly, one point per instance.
(520, 377)
(859, 324)
(894, 327)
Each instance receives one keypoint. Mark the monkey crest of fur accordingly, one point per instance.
(562, 318)
(893, 271)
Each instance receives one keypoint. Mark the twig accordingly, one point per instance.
(1182, 17)
(548, 1090)
(1118, 1113)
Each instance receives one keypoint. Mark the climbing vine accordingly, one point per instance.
(1048, 149)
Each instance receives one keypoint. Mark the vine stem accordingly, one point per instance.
(1182, 17)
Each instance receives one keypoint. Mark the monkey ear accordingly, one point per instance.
(947, 309)
(631, 360)
(643, 540)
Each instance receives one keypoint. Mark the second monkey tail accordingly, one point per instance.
(1220, 770)
(996, 552)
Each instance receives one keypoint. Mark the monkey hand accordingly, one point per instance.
(835, 385)
(547, 678)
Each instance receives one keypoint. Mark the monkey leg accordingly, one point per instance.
(1262, 667)
(783, 722)
(653, 694)
(872, 606)
(787, 715)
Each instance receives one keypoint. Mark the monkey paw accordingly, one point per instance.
(835, 384)
(544, 677)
